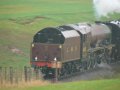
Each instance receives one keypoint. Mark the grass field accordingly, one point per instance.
(21, 19)
(82, 85)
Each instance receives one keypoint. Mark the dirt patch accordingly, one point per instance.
(15, 50)
(28, 21)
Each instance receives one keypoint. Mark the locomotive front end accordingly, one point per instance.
(44, 55)
(46, 51)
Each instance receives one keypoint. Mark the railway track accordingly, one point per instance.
(102, 71)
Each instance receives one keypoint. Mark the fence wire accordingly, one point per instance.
(12, 75)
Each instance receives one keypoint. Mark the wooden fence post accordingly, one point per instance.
(25, 73)
(5, 74)
(11, 75)
(1, 75)
(28, 73)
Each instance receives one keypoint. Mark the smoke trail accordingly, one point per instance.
(105, 7)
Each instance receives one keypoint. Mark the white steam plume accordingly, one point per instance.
(105, 7)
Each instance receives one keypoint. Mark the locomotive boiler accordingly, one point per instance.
(65, 50)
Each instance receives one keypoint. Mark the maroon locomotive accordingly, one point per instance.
(75, 47)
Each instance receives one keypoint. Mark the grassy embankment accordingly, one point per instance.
(21, 19)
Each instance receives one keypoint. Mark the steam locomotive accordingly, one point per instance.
(65, 50)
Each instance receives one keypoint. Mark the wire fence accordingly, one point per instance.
(12, 75)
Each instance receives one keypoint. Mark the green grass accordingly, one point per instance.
(52, 8)
(113, 84)
(21, 19)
